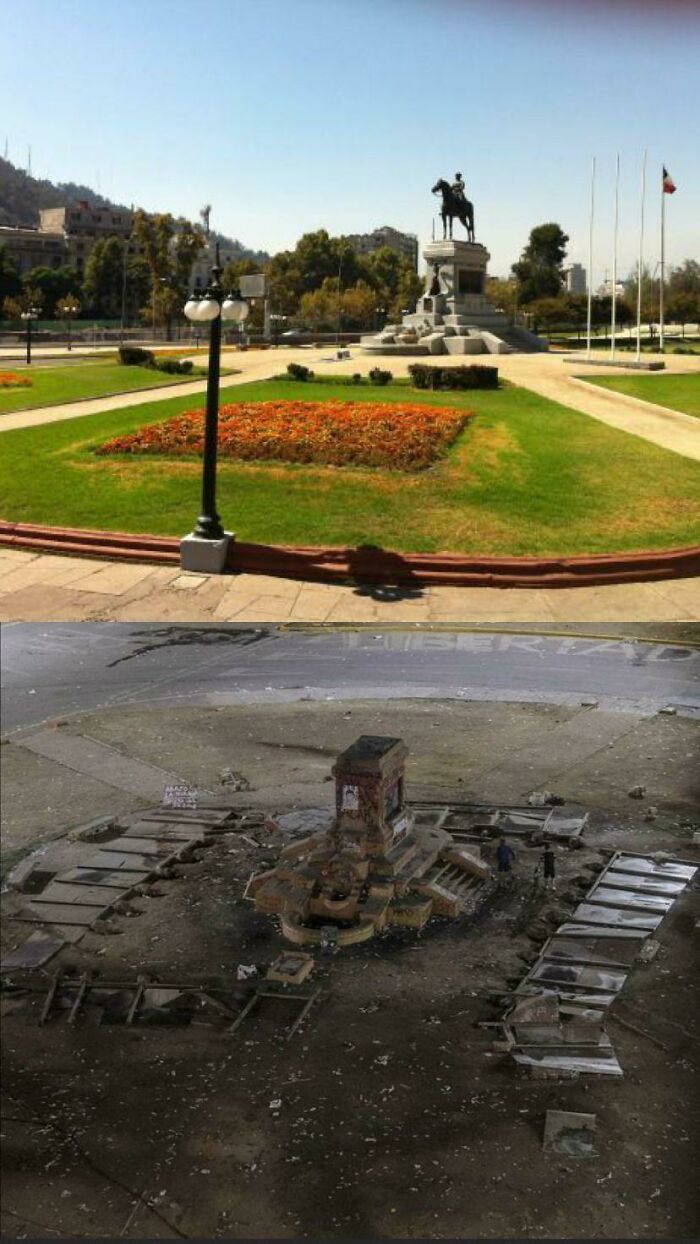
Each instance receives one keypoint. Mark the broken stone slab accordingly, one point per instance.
(36, 950)
(649, 951)
(97, 830)
(18, 878)
(569, 1133)
(305, 822)
(291, 967)
(104, 877)
(232, 780)
(58, 913)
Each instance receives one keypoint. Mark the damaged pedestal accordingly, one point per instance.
(374, 867)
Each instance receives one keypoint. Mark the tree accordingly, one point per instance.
(54, 283)
(190, 241)
(358, 306)
(169, 249)
(138, 286)
(12, 308)
(104, 278)
(10, 281)
(320, 307)
(503, 294)
(684, 309)
(539, 269)
(685, 279)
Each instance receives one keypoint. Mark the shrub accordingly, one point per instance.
(134, 356)
(356, 378)
(296, 371)
(379, 376)
(473, 377)
(174, 367)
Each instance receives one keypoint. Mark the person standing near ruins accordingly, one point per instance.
(505, 856)
(550, 882)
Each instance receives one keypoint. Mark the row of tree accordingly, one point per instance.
(537, 284)
(321, 279)
(323, 283)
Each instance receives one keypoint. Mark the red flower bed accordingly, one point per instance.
(379, 434)
(13, 379)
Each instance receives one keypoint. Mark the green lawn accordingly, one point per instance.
(679, 392)
(72, 381)
(526, 476)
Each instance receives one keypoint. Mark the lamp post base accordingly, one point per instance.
(204, 556)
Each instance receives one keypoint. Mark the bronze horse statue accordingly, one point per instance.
(452, 207)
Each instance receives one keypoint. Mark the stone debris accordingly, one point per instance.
(637, 792)
(233, 781)
(569, 1133)
(556, 1022)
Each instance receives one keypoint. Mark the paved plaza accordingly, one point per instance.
(36, 586)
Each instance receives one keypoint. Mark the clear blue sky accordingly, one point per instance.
(289, 115)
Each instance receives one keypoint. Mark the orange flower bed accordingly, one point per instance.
(13, 379)
(376, 434)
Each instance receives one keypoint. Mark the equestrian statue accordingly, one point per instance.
(455, 204)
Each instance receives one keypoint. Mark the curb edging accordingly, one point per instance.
(369, 564)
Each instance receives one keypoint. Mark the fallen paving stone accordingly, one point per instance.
(38, 948)
(569, 1133)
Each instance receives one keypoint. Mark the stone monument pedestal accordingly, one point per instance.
(454, 314)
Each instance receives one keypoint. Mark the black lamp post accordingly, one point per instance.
(32, 313)
(68, 311)
(213, 306)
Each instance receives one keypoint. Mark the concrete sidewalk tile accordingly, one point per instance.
(683, 594)
(267, 585)
(620, 602)
(45, 603)
(45, 570)
(264, 609)
(312, 606)
(188, 582)
(233, 601)
(115, 579)
(486, 604)
(16, 557)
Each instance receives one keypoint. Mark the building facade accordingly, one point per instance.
(83, 226)
(34, 248)
(66, 236)
(576, 279)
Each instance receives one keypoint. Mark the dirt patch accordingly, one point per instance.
(388, 1116)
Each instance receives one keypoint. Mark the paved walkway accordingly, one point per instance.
(37, 587)
(551, 375)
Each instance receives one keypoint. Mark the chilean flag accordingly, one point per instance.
(669, 186)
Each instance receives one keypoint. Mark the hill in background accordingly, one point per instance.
(23, 196)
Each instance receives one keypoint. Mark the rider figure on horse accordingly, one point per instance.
(459, 189)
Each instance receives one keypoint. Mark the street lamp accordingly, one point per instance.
(31, 313)
(68, 309)
(205, 549)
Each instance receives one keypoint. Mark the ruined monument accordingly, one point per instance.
(454, 314)
(375, 867)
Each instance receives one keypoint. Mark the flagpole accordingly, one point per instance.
(663, 249)
(590, 264)
(614, 263)
(641, 256)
